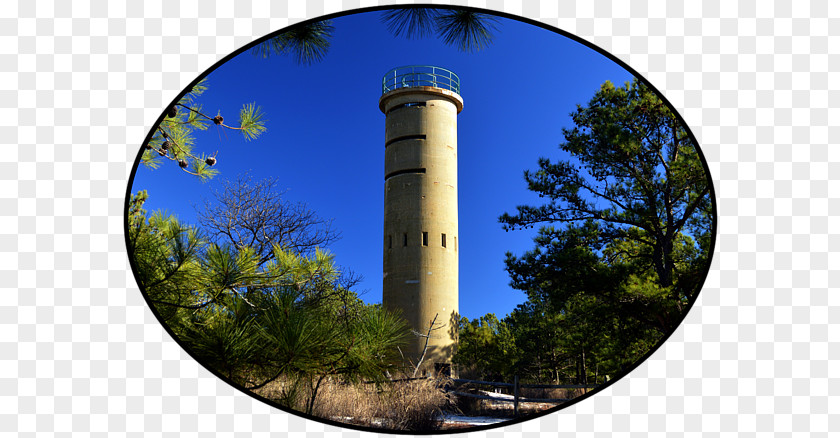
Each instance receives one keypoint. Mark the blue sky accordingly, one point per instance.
(325, 139)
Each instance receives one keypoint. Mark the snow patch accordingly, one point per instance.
(472, 421)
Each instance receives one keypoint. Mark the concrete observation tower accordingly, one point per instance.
(420, 263)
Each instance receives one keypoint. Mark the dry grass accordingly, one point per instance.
(411, 406)
(408, 406)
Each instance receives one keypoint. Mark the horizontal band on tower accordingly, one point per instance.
(404, 171)
(405, 137)
(406, 105)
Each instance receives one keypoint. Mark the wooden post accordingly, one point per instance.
(515, 396)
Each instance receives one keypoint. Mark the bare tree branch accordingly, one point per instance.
(255, 214)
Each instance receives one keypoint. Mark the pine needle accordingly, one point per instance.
(411, 22)
(307, 43)
(468, 31)
(251, 121)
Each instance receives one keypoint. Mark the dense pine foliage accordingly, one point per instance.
(623, 247)
(253, 321)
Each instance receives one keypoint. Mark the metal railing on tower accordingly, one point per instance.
(421, 76)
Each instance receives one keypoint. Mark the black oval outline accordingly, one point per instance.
(506, 15)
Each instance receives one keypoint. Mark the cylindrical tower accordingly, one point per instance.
(420, 263)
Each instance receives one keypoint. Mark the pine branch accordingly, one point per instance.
(468, 31)
(251, 121)
(411, 22)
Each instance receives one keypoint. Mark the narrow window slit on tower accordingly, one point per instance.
(443, 240)
(390, 241)
(456, 243)
(405, 137)
(404, 171)
(406, 105)
(425, 238)
(405, 239)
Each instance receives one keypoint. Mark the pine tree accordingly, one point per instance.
(307, 43)
(173, 138)
(623, 245)
(254, 323)
(636, 174)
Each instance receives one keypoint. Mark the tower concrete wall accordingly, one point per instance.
(420, 263)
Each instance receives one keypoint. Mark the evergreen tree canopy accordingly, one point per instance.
(623, 245)
(486, 348)
(255, 321)
(636, 175)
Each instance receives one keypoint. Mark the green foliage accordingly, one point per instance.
(222, 340)
(635, 172)
(485, 348)
(173, 140)
(306, 43)
(624, 241)
(166, 255)
(411, 22)
(466, 30)
(177, 132)
(254, 323)
(251, 121)
(543, 343)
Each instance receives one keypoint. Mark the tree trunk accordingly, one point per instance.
(583, 361)
(311, 405)
(425, 346)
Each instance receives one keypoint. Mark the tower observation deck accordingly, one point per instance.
(420, 255)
